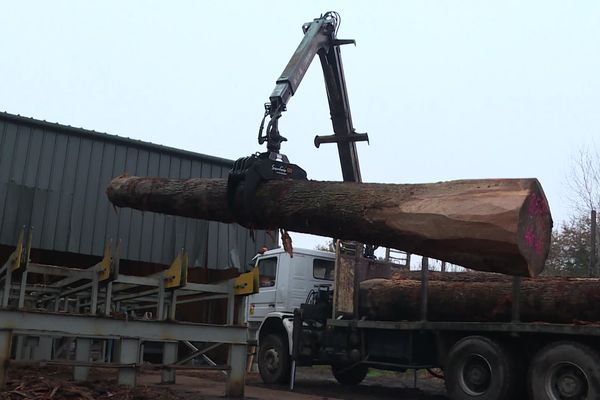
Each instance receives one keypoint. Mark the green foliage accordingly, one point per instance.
(570, 248)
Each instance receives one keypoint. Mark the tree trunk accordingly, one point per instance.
(558, 300)
(498, 225)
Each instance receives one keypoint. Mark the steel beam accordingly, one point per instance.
(94, 295)
(20, 346)
(5, 342)
(56, 270)
(108, 299)
(169, 357)
(173, 306)
(196, 352)
(77, 289)
(424, 295)
(128, 354)
(516, 299)
(82, 354)
(58, 324)
(506, 327)
(7, 286)
(231, 304)
(223, 288)
(21, 303)
(160, 307)
(136, 281)
(237, 373)
(43, 350)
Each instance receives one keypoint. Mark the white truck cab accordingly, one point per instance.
(285, 283)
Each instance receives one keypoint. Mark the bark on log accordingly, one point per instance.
(472, 276)
(498, 225)
(555, 300)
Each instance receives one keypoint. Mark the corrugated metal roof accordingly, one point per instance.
(68, 129)
(53, 177)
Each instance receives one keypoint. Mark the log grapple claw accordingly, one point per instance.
(253, 170)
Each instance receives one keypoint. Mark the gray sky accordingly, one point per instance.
(446, 90)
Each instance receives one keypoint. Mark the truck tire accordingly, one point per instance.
(274, 360)
(480, 368)
(565, 370)
(349, 377)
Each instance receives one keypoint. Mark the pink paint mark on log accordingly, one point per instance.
(533, 241)
(537, 206)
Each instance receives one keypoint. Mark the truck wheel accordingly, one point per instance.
(349, 377)
(480, 368)
(274, 359)
(565, 370)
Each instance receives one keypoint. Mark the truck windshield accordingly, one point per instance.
(267, 269)
(323, 269)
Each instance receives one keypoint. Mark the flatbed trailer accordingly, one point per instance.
(479, 360)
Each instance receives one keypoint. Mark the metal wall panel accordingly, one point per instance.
(53, 177)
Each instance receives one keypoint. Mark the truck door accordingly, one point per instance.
(308, 273)
(264, 301)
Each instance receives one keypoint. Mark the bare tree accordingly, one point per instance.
(583, 182)
(583, 179)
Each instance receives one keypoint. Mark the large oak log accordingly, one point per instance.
(558, 300)
(499, 225)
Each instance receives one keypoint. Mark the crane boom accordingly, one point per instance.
(320, 38)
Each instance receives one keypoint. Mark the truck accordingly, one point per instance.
(285, 284)
(296, 321)
(307, 311)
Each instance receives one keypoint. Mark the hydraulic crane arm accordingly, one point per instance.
(319, 39)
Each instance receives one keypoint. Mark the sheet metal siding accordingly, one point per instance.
(53, 178)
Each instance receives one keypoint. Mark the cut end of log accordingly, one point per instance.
(535, 229)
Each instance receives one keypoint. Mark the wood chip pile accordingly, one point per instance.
(52, 385)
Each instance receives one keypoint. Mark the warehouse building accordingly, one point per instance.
(53, 178)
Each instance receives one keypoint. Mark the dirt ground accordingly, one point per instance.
(380, 385)
(311, 384)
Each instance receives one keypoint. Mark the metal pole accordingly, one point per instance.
(424, 287)
(94, 300)
(516, 299)
(128, 354)
(82, 353)
(231, 304)
(160, 307)
(358, 254)
(21, 303)
(237, 373)
(169, 358)
(7, 286)
(593, 250)
(5, 342)
(43, 350)
(108, 299)
(173, 306)
(293, 375)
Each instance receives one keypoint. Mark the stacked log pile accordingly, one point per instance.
(481, 297)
